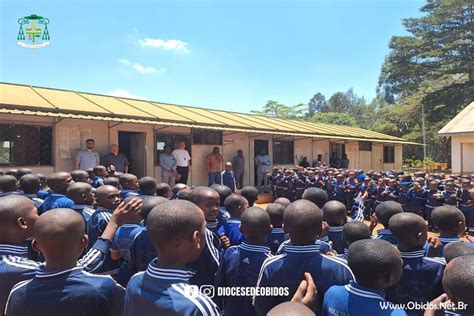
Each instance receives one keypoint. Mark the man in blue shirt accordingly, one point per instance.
(303, 222)
(116, 159)
(178, 232)
(60, 287)
(376, 265)
(88, 158)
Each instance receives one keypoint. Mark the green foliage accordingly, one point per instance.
(334, 118)
(431, 68)
(275, 109)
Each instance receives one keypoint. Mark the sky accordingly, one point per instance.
(229, 55)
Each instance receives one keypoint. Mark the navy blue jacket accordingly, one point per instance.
(288, 270)
(421, 281)
(275, 239)
(355, 300)
(165, 291)
(66, 292)
(240, 266)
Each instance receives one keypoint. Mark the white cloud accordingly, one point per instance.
(175, 45)
(124, 94)
(140, 68)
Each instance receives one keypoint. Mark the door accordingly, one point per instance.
(133, 145)
(377, 157)
(467, 163)
(258, 146)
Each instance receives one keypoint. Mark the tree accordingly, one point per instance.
(317, 104)
(275, 109)
(333, 118)
(440, 47)
(339, 102)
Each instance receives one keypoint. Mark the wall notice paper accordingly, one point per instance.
(64, 149)
(75, 138)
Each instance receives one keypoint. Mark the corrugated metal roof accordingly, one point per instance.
(28, 100)
(463, 123)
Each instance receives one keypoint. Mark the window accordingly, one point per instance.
(161, 140)
(207, 137)
(283, 152)
(365, 146)
(388, 154)
(25, 145)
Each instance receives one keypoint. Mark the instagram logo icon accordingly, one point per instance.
(207, 290)
(191, 291)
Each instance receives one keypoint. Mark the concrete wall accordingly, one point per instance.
(462, 153)
(106, 134)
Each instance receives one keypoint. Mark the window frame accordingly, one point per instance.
(196, 131)
(277, 160)
(50, 144)
(361, 148)
(386, 156)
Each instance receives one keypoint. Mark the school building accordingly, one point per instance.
(43, 128)
(461, 131)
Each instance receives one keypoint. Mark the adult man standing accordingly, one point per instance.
(214, 166)
(239, 168)
(168, 166)
(263, 163)
(87, 158)
(183, 161)
(116, 159)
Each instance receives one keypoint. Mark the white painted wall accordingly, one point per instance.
(234, 142)
(321, 146)
(462, 153)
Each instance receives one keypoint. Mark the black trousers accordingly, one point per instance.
(183, 171)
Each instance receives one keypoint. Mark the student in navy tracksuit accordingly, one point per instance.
(383, 213)
(352, 232)
(417, 197)
(14, 264)
(421, 281)
(30, 184)
(177, 230)
(147, 187)
(141, 250)
(223, 215)
(235, 205)
(339, 188)
(129, 185)
(466, 202)
(451, 224)
(81, 194)
(100, 173)
(376, 265)
(277, 236)
(240, 265)
(450, 194)
(58, 183)
(60, 287)
(335, 214)
(434, 198)
(107, 198)
(303, 222)
(227, 177)
(458, 283)
(207, 263)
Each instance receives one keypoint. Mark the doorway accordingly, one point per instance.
(258, 145)
(132, 145)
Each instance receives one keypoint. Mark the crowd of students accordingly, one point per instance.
(103, 243)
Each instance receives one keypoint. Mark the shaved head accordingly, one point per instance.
(12, 207)
(59, 235)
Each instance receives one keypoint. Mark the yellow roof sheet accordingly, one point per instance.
(22, 96)
(29, 100)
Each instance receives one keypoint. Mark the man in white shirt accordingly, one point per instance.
(263, 163)
(183, 162)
